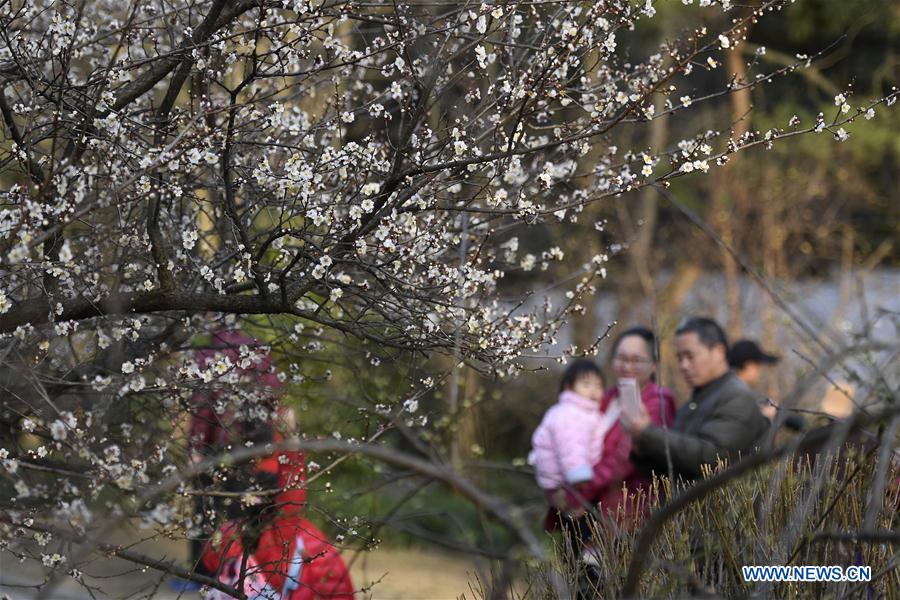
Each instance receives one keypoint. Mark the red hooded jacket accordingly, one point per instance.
(293, 560)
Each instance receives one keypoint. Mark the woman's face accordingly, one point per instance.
(633, 359)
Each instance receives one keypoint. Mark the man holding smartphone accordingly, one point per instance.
(721, 420)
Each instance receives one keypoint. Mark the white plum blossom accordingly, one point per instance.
(52, 560)
(58, 430)
(138, 383)
(481, 55)
(163, 513)
(322, 266)
(610, 43)
(528, 262)
(189, 239)
(65, 252)
(112, 453)
(69, 419)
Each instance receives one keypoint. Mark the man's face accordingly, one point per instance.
(698, 363)
(750, 373)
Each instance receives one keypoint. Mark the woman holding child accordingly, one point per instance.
(617, 485)
(580, 451)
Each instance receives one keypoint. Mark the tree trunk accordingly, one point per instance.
(728, 198)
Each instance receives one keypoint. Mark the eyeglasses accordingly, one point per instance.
(631, 360)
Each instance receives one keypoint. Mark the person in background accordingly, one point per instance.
(213, 426)
(216, 426)
(748, 359)
(269, 551)
(566, 446)
(617, 485)
(721, 420)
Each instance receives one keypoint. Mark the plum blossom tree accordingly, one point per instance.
(350, 177)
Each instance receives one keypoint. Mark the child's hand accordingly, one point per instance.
(577, 512)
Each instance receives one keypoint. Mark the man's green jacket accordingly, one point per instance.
(722, 420)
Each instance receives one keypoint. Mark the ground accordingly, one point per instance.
(386, 573)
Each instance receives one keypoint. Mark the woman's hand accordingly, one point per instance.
(769, 409)
(634, 425)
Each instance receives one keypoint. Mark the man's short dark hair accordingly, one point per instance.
(708, 331)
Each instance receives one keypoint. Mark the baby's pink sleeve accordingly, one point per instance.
(543, 459)
(572, 435)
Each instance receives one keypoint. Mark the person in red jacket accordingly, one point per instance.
(620, 489)
(241, 366)
(281, 555)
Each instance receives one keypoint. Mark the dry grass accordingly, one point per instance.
(770, 517)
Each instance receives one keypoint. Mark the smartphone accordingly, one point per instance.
(629, 397)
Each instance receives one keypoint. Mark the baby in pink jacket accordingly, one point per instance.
(569, 441)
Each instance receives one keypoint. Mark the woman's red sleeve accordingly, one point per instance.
(614, 465)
